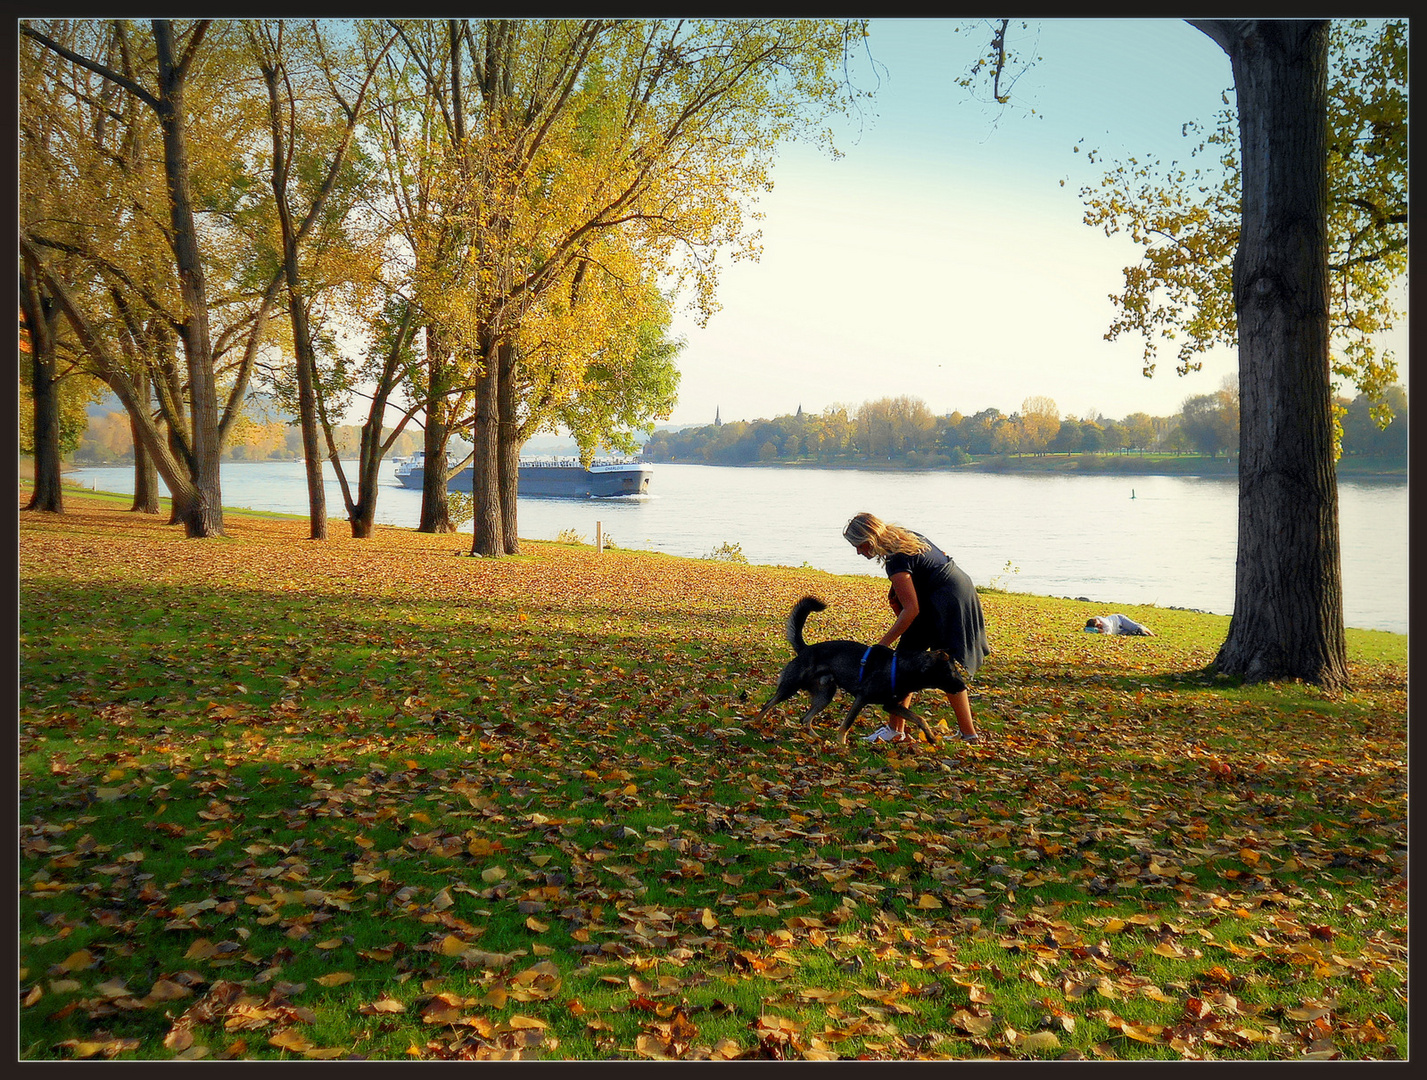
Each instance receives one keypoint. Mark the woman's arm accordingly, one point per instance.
(907, 597)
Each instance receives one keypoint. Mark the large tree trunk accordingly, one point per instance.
(487, 531)
(201, 509)
(39, 319)
(306, 360)
(508, 450)
(1288, 598)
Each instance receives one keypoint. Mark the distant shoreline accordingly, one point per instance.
(1063, 465)
(1054, 464)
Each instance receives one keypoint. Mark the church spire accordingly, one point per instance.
(717, 421)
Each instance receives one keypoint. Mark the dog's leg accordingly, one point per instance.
(822, 694)
(851, 716)
(907, 714)
(786, 689)
(774, 700)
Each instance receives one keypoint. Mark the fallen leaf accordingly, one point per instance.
(1039, 1042)
(383, 1005)
(291, 1039)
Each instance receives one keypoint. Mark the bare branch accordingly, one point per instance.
(98, 69)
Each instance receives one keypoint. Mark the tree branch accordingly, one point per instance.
(98, 69)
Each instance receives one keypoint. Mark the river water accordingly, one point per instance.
(1160, 540)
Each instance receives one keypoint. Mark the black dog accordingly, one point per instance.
(873, 675)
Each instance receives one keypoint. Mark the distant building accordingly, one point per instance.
(717, 421)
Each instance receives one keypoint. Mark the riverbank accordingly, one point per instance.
(115, 507)
(793, 517)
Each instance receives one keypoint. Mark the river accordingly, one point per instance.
(1117, 540)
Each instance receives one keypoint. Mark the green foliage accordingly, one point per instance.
(998, 581)
(727, 552)
(1211, 421)
(76, 393)
(1186, 219)
(459, 506)
(627, 385)
(1377, 428)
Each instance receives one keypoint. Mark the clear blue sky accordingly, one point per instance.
(941, 257)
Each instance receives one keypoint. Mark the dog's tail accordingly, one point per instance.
(799, 615)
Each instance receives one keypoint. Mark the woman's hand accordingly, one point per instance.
(906, 594)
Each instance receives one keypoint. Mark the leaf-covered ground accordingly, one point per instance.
(377, 799)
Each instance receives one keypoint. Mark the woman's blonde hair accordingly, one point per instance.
(885, 539)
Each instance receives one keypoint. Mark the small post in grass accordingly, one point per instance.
(599, 539)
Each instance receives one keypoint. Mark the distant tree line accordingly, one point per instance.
(905, 431)
(1364, 436)
(900, 429)
(109, 440)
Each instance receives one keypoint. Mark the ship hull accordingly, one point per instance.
(555, 481)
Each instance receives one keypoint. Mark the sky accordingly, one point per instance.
(941, 257)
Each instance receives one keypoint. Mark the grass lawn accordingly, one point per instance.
(377, 799)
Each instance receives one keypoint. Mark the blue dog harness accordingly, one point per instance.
(862, 668)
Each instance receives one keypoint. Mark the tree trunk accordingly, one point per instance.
(508, 449)
(435, 513)
(48, 495)
(307, 405)
(1288, 598)
(146, 481)
(146, 473)
(271, 66)
(176, 453)
(362, 512)
(487, 530)
(39, 314)
(202, 513)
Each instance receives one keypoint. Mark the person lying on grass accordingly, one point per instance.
(1116, 624)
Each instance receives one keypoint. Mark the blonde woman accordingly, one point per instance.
(935, 605)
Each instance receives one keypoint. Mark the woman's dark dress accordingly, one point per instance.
(949, 611)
